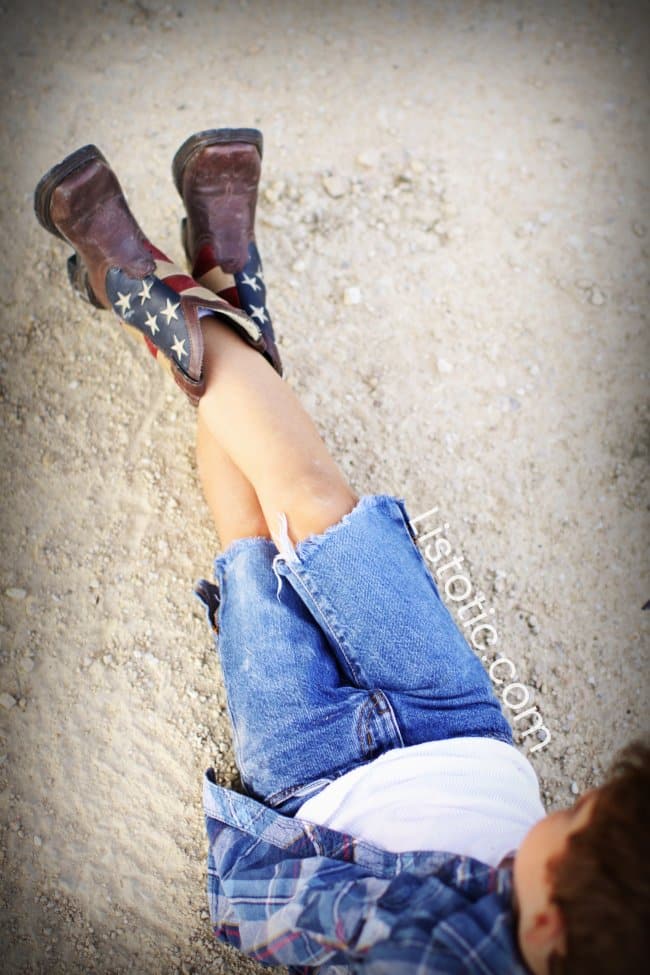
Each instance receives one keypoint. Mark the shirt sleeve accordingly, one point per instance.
(322, 913)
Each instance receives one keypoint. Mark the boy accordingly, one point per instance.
(384, 796)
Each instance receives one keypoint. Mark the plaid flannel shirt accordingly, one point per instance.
(286, 892)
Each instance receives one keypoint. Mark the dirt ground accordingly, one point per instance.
(455, 230)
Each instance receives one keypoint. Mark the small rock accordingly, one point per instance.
(107, 659)
(526, 229)
(299, 266)
(533, 625)
(584, 284)
(335, 186)
(368, 159)
(7, 701)
(352, 296)
(38, 841)
(27, 665)
(575, 788)
(499, 583)
(15, 593)
(275, 220)
(443, 365)
(639, 229)
(597, 297)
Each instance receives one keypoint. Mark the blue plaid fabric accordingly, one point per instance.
(286, 892)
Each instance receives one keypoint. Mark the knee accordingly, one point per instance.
(317, 504)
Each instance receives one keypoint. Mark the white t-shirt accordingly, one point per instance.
(469, 796)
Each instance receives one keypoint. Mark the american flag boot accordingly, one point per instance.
(115, 266)
(217, 173)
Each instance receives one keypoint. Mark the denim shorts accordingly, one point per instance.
(338, 649)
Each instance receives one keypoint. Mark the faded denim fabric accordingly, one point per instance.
(337, 649)
(286, 892)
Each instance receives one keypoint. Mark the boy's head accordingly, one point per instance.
(582, 882)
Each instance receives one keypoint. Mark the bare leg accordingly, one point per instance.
(261, 425)
(230, 496)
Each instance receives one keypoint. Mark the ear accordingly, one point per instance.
(546, 933)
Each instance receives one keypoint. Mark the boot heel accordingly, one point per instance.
(78, 277)
(54, 177)
(211, 137)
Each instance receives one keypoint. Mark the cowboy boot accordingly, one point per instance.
(217, 173)
(116, 266)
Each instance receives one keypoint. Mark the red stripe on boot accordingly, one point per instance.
(205, 260)
(180, 283)
(231, 296)
(152, 348)
(155, 252)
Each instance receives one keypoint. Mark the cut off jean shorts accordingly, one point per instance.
(338, 649)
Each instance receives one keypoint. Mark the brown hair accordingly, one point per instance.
(601, 883)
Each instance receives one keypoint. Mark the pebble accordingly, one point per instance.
(15, 593)
(38, 841)
(575, 788)
(368, 159)
(499, 583)
(275, 220)
(352, 296)
(7, 701)
(533, 625)
(597, 297)
(299, 266)
(335, 186)
(639, 229)
(27, 665)
(443, 365)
